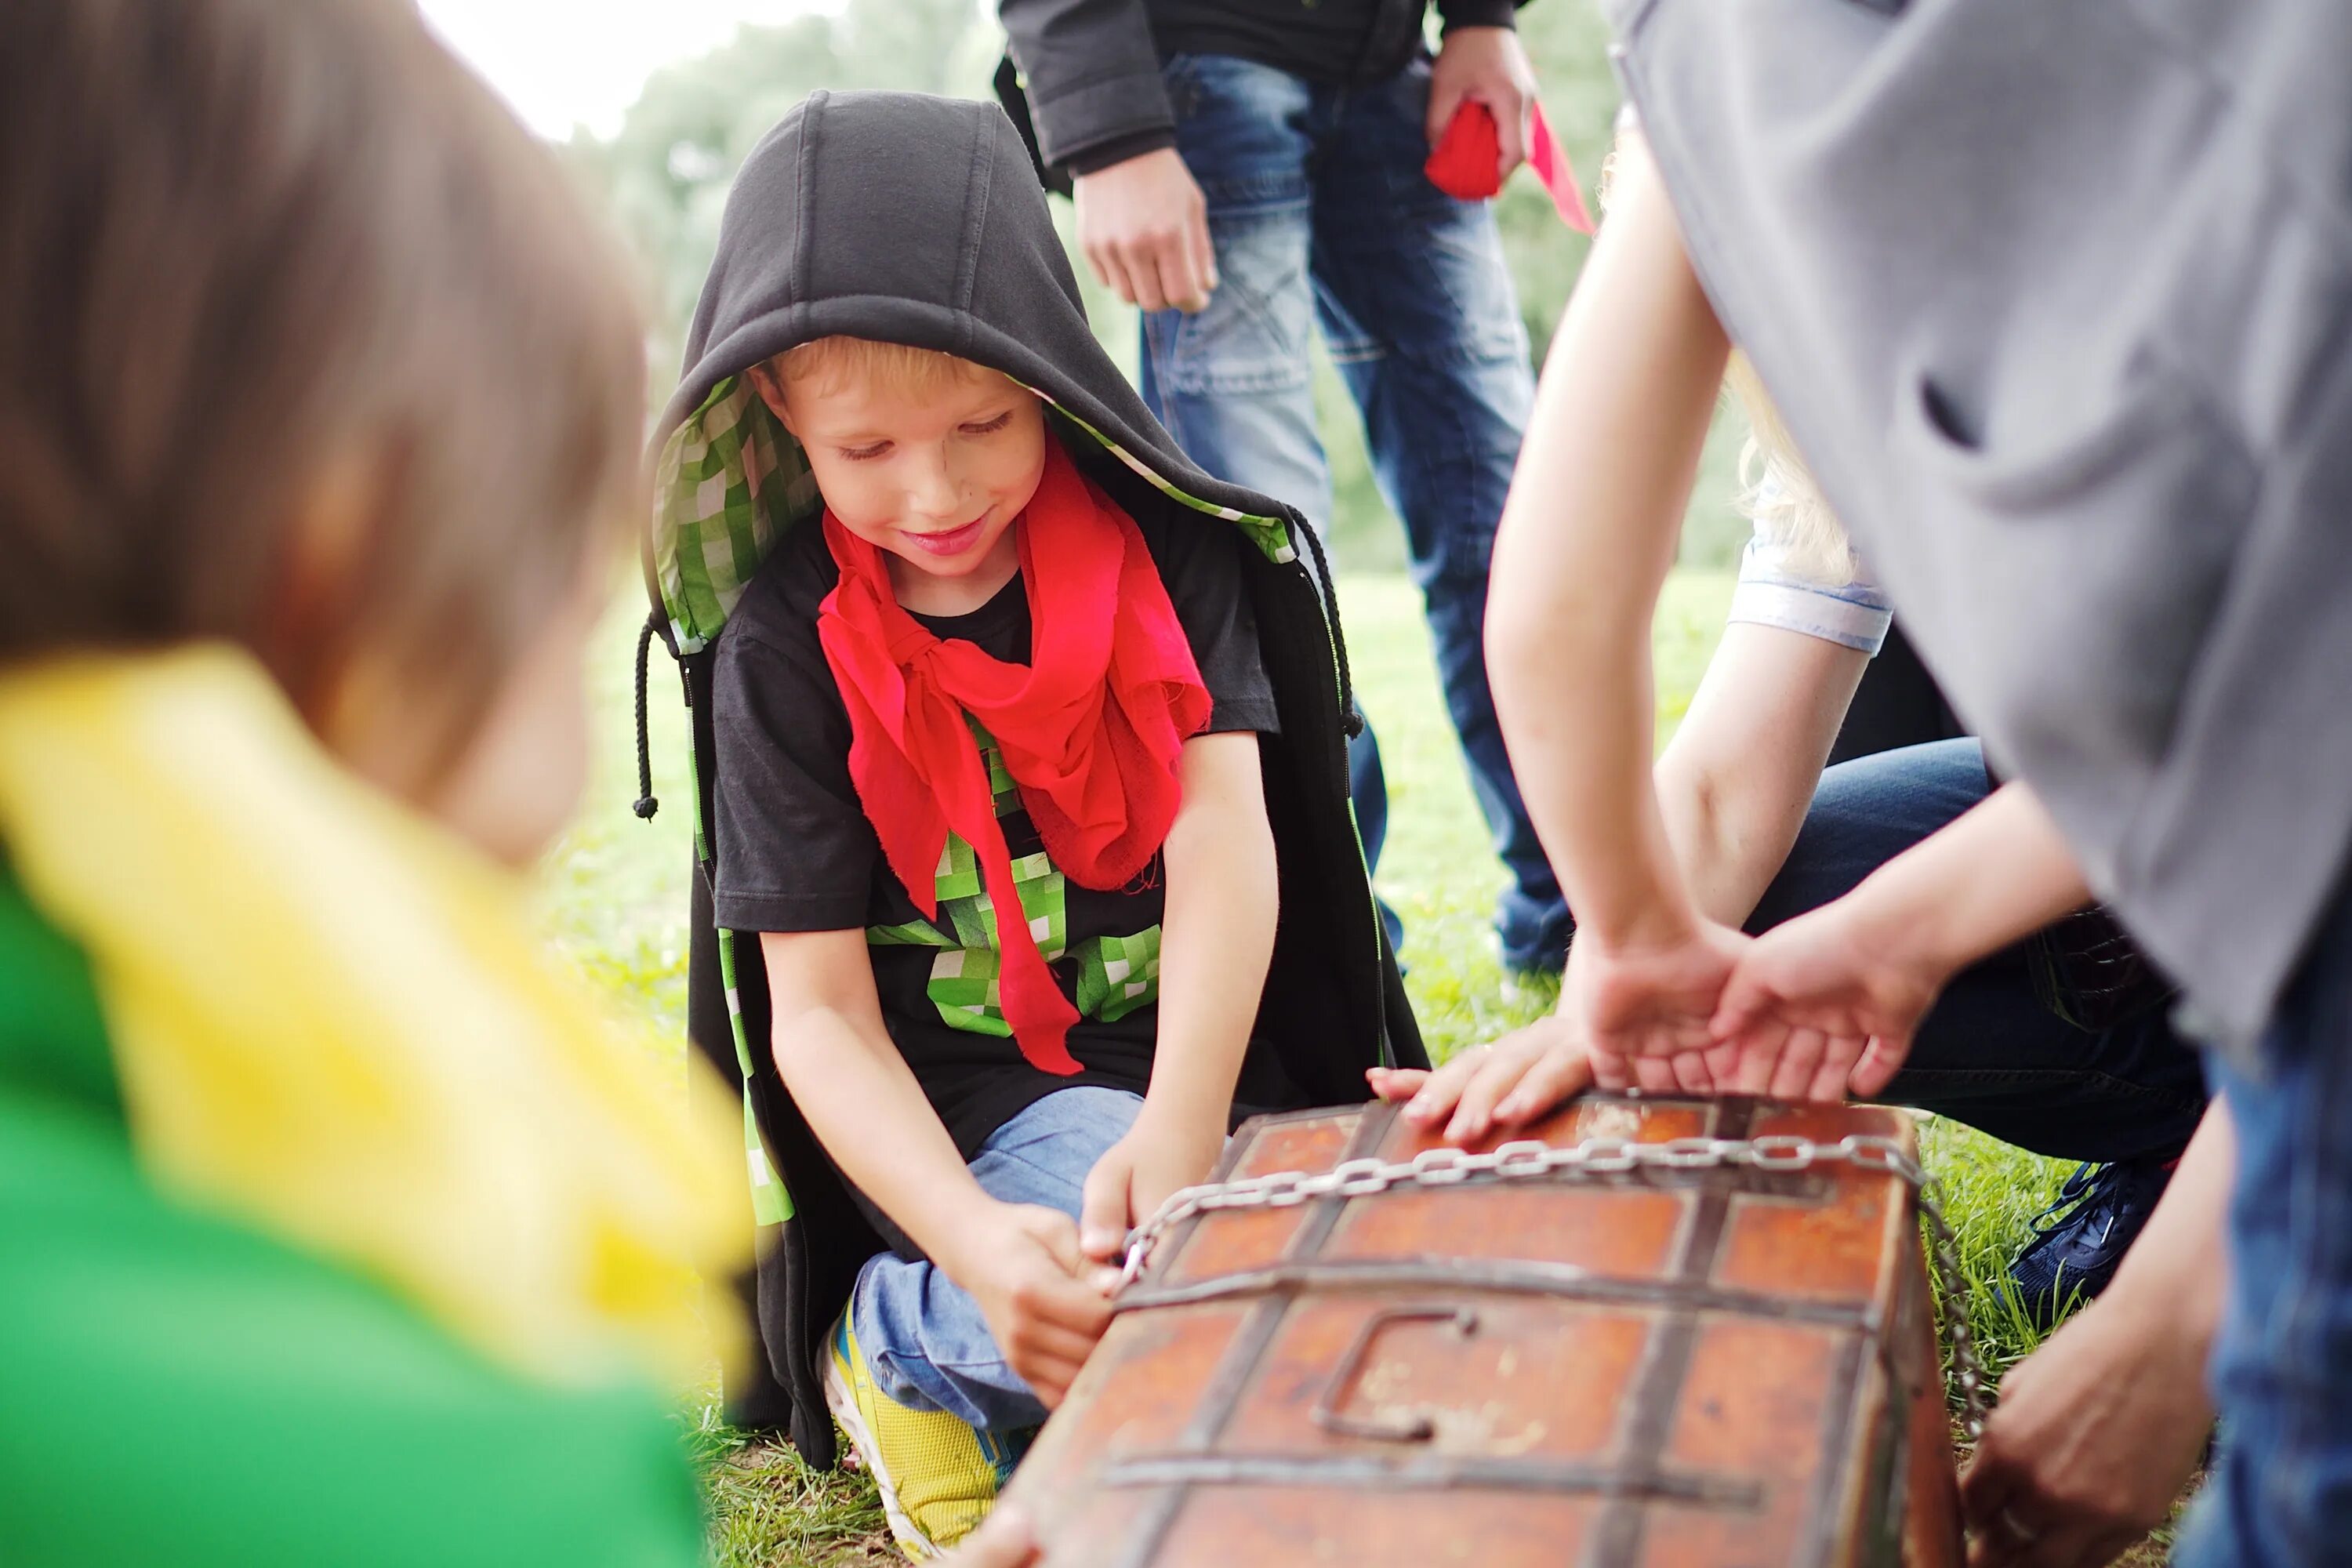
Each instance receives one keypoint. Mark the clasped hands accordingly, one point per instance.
(1816, 1009)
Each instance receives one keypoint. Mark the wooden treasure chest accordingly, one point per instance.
(1678, 1333)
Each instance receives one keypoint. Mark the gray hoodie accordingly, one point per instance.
(2057, 301)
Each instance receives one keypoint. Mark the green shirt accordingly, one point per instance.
(180, 1391)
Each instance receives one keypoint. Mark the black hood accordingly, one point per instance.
(913, 219)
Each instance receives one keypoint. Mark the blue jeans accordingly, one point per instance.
(1991, 1052)
(2279, 1491)
(1319, 213)
(924, 1336)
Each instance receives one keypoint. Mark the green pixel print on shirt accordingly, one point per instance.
(1115, 975)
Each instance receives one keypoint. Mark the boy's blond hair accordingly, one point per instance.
(826, 363)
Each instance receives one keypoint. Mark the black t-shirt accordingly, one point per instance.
(1342, 42)
(795, 852)
(1332, 41)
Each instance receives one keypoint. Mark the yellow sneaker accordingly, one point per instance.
(938, 1475)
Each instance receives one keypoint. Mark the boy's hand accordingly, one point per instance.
(1516, 1081)
(1043, 1300)
(1818, 1006)
(1135, 1175)
(1143, 226)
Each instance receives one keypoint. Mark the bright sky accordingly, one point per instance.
(567, 62)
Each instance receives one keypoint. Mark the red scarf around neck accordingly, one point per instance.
(1089, 729)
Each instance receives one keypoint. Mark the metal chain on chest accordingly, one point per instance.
(1528, 1158)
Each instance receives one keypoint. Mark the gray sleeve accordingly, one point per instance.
(1091, 74)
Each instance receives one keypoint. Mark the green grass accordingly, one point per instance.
(1437, 868)
(615, 897)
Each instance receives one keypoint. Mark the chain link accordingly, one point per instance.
(1529, 1159)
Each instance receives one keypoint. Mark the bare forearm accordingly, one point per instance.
(1581, 758)
(1995, 874)
(1587, 538)
(1728, 858)
(2176, 1269)
(1736, 781)
(862, 1102)
(1217, 940)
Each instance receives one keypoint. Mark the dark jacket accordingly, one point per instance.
(918, 220)
(1090, 68)
(2057, 301)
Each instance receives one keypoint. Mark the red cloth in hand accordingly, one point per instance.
(1467, 162)
(1090, 729)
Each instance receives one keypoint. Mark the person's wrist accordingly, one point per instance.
(1888, 932)
(1184, 1116)
(2169, 1304)
(968, 1234)
(1660, 925)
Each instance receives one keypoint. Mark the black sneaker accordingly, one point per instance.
(2084, 1233)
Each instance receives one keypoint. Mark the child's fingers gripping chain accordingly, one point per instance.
(1104, 1206)
(1053, 1311)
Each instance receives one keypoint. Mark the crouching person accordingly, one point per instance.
(1000, 724)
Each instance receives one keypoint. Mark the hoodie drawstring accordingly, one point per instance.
(647, 805)
(1351, 718)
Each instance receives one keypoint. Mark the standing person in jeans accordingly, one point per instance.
(1243, 168)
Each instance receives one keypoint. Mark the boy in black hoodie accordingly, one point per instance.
(996, 670)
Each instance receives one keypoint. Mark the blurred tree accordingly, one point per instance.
(664, 177)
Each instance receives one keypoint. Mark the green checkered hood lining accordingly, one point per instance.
(731, 479)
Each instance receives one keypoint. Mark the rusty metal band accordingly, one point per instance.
(1830, 1477)
(1656, 1397)
(1430, 1474)
(1840, 1409)
(1239, 1365)
(1563, 1281)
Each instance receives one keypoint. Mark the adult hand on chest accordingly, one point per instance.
(1518, 1079)
(2097, 1432)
